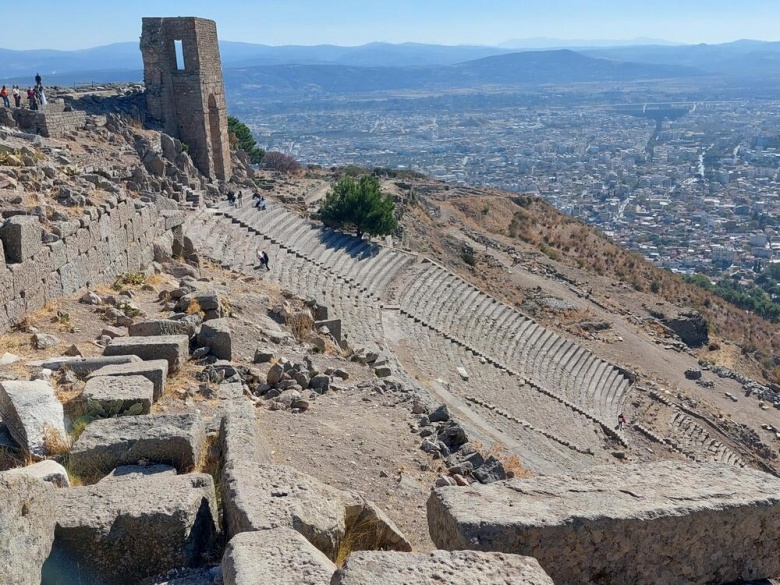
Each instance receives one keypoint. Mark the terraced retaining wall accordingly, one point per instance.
(38, 266)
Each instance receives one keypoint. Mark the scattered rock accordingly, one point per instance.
(45, 340)
(33, 414)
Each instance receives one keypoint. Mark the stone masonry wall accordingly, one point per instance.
(49, 122)
(189, 102)
(105, 242)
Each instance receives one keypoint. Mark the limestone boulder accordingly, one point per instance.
(123, 532)
(172, 439)
(27, 518)
(47, 470)
(280, 556)
(32, 414)
(156, 371)
(454, 568)
(172, 348)
(216, 335)
(119, 394)
(663, 522)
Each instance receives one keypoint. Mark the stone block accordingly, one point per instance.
(667, 522)
(156, 327)
(215, 335)
(455, 568)
(171, 439)
(84, 366)
(47, 470)
(122, 392)
(280, 556)
(22, 238)
(155, 371)
(259, 496)
(172, 348)
(123, 532)
(333, 325)
(32, 413)
(27, 519)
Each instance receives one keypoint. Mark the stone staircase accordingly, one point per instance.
(354, 278)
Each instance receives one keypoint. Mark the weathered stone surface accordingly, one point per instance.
(156, 371)
(27, 518)
(264, 355)
(230, 391)
(130, 390)
(264, 496)
(215, 335)
(32, 413)
(172, 348)
(156, 327)
(453, 568)
(666, 522)
(44, 340)
(133, 472)
(84, 366)
(280, 556)
(275, 373)
(21, 237)
(46, 470)
(171, 439)
(121, 532)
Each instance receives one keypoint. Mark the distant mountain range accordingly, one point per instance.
(378, 66)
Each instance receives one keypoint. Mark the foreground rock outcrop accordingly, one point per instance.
(281, 556)
(657, 523)
(32, 413)
(124, 531)
(27, 516)
(454, 568)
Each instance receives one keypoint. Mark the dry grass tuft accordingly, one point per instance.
(55, 443)
(301, 324)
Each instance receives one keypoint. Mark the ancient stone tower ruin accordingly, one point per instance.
(184, 89)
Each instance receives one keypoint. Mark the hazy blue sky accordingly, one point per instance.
(73, 24)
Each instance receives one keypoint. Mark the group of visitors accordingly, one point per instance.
(236, 199)
(35, 95)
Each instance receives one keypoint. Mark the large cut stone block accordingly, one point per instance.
(260, 497)
(21, 237)
(215, 335)
(47, 470)
(666, 522)
(280, 556)
(156, 327)
(27, 517)
(172, 439)
(454, 568)
(173, 348)
(32, 414)
(84, 366)
(118, 394)
(123, 532)
(154, 370)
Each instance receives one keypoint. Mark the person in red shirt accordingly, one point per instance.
(4, 95)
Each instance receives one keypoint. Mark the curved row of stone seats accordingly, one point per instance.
(544, 427)
(233, 247)
(500, 334)
(361, 262)
(694, 440)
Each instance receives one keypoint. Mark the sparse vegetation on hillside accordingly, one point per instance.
(359, 204)
(278, 161)
(240, 136)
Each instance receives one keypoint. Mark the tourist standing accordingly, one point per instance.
(38, 79)
(17, 96)
(240, 198)
(4, 95)
(31, 100)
